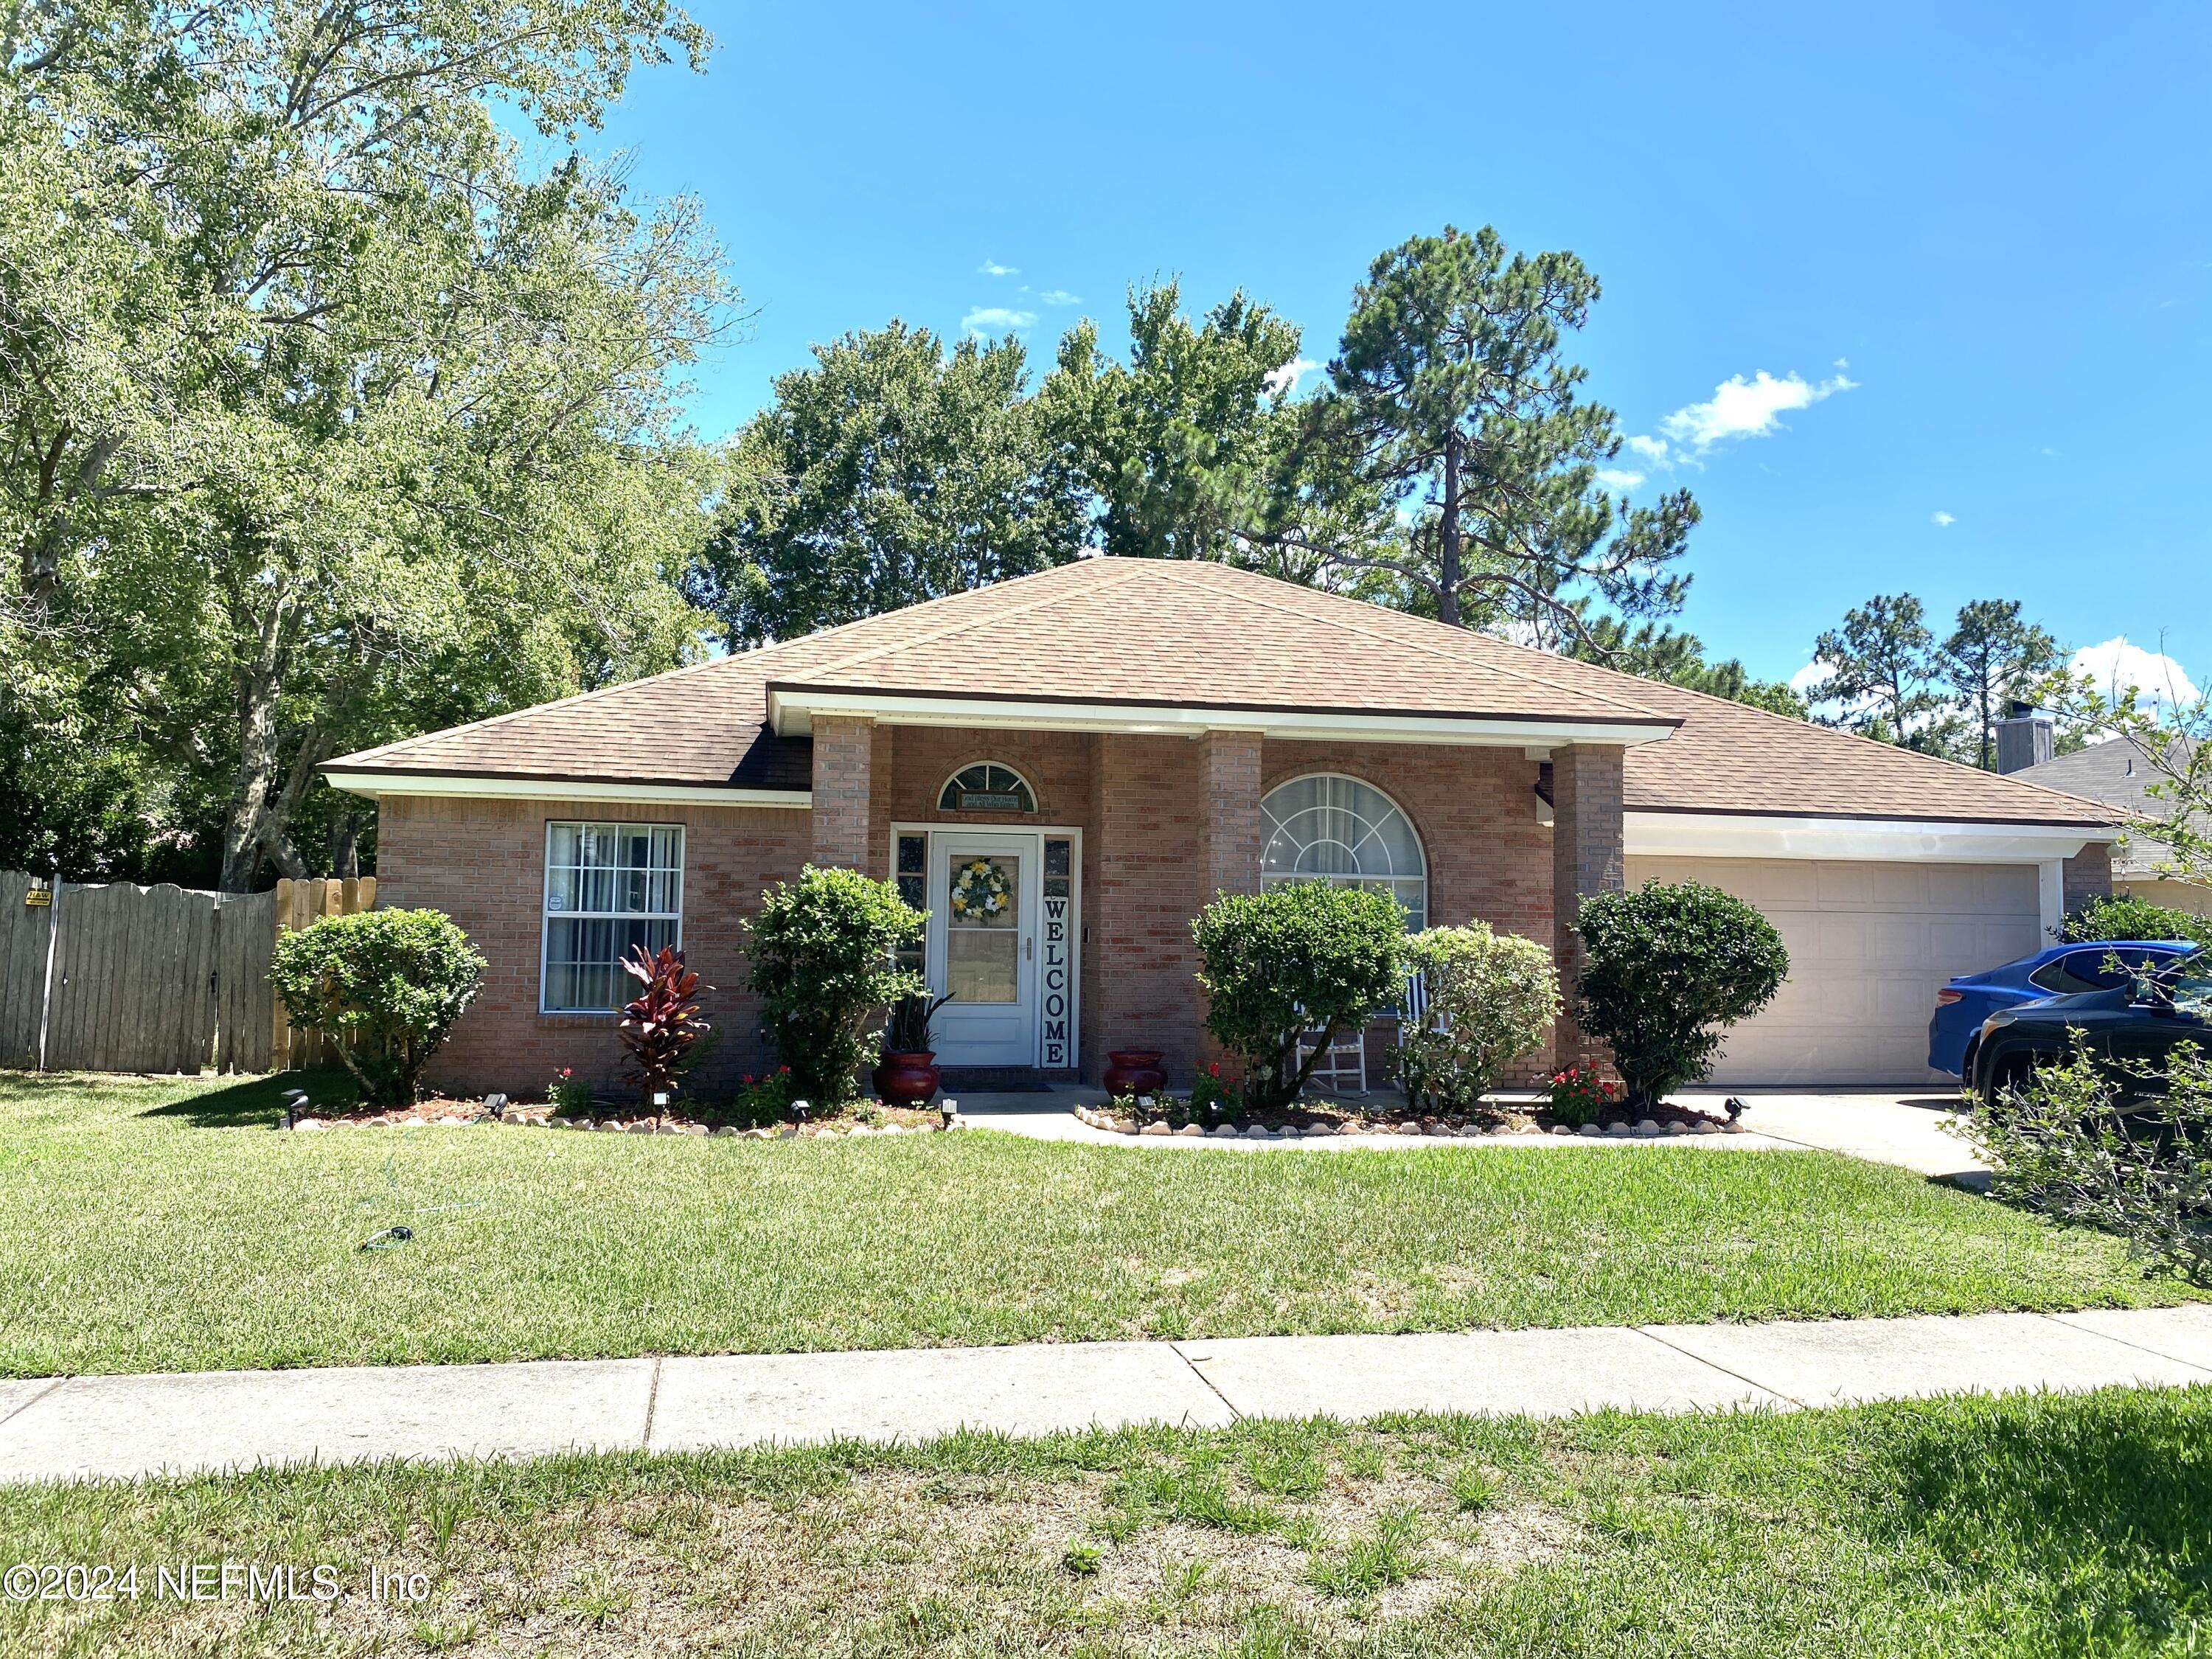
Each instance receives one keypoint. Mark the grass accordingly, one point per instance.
(2020, 1525)
(149, 1225)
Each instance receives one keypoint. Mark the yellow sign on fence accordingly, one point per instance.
(35, 896)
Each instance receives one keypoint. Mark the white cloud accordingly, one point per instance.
(996, 319)
(1747, 408)
(1284, 380)
(1808, 679)
(1613, 478)
(1651, 449)
(1060, 297)
(1941, 519)
(2117, 666)
(993, 268)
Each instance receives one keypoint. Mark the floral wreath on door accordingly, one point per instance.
(981, 892)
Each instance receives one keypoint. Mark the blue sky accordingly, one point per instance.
(1968, 247)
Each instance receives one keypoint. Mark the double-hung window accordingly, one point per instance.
(608, 886)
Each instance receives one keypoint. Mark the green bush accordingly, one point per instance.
(2120, 917)
(2124, 1148)
(821, 951)
(1492, 997)
(1665, 970)
(1300, 956)
(387, 986)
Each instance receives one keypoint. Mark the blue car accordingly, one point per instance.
(2061, 970)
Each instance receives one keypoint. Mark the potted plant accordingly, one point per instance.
(1131, 1071)
(907, 1075)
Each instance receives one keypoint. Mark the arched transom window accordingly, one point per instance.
(987, 787)
(1337, 829)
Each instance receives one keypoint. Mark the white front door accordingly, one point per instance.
(983, 903)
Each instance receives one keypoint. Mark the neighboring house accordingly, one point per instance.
(2118, 774)
(1119, 739)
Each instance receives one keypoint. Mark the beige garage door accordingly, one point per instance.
(1869, 944)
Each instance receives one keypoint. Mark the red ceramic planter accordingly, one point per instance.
(907, 1080)
(1134, 1072)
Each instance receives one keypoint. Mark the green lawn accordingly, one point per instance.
(2025, 1525)
(148, 1225)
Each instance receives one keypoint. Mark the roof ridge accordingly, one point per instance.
(946, 632)
(1416, 644)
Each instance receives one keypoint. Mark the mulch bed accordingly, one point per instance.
(863, 1118)
(1170, 1114)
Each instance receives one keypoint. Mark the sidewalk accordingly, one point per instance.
(126, 1426)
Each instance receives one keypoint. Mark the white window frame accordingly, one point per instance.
(1386, 883)
(546, 913)
(937, 801)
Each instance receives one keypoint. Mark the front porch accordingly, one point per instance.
(1062, 867)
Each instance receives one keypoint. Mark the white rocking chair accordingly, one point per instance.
(1343, 1063)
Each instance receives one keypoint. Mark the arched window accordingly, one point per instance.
(987, 787)
(1337, 829)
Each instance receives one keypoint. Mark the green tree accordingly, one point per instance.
(1657, 652)
(1454, 459)
(892, 472)
(1990, 658)
(344, 416)
(1882, 669)
(1179, 446)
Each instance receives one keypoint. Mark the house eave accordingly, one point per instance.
(459, 786)
(1701, 834)
(793, 707)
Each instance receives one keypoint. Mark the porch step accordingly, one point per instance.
(994, 1080)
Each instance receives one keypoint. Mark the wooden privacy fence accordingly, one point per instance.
(121, 978)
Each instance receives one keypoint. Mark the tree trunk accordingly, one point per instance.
(256, 776)
(345, 846)
(1448, 541)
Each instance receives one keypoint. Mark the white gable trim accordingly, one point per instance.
(791, 710)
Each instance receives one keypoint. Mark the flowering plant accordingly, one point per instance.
(1214, 1095)
(1580, 1096)
(761, 1102)
(980, 892)
(570, 1098)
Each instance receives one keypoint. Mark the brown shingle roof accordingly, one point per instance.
(1157, 633)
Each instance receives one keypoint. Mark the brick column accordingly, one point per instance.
(1229, 849)
(2089, 875)
(1229, 779)
(844, 752)
(1588, 856)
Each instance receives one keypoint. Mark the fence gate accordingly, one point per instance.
(121, 978)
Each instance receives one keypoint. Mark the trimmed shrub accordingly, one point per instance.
(2122, 917)
(1300, 956)
(2126, 1148)
(822, 951)
(1667, 970)
(386, 986)
(1492, 997)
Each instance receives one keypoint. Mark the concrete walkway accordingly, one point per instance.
(1883, 1126)
(125, 1426)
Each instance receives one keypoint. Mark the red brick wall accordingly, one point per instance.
(483, 862)
(1151, 860)
(844, 752)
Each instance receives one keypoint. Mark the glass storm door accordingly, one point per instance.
(982, 946)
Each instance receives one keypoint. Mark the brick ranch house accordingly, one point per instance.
(1117, 740)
